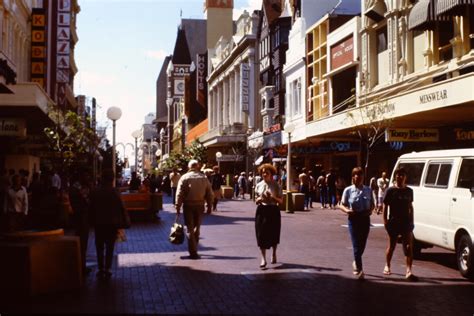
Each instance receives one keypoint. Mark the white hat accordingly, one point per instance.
(192, 163)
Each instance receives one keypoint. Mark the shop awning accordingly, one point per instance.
(444, 6)
(422, 15)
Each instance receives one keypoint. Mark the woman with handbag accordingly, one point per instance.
(107, 214)
(267, 218)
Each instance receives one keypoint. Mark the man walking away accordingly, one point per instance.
(192, 192)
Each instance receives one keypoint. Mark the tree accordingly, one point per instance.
(369, 122)
(195, 150)
(71, 138)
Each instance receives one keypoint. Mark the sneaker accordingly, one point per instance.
(360, 275)
(355, 271)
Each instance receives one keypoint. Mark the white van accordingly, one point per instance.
(443, 188)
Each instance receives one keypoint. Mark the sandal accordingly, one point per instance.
(386, 270)
(411, 277)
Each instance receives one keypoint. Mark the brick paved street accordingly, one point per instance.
(313, 275)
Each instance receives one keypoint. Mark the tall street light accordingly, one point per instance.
(136, 134)
(114, 113)
(289, 128)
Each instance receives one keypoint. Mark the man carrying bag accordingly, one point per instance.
(194, 189)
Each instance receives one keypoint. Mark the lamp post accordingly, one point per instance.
(289, 128)
(136, 134)
(114, 113)
(218, 158)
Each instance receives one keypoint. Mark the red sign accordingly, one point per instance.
(342, 53)
(201, 74)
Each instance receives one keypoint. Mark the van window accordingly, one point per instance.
(466, 174)
(438, 174)
(414, 171)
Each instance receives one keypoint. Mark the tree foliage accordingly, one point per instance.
(195, 150)
(71, 138)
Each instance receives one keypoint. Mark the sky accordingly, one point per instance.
(121, 47)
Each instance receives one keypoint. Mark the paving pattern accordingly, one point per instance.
(313, 274)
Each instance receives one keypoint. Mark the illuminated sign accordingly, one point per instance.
(411, 135)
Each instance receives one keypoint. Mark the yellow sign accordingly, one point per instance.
(411, 135)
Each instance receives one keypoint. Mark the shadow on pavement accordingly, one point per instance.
(183, 290)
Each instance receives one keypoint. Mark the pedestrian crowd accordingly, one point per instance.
(42, 203)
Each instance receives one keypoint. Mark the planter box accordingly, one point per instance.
(227, 192)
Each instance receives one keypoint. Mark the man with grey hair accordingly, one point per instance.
(194, 189)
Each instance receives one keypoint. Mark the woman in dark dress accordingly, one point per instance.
(267, 218)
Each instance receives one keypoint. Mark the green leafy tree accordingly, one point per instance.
(71, 138)
(195, 150)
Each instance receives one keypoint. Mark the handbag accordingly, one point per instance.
(124, 217)
(177, 234)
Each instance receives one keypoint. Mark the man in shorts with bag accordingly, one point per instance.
(194, 189)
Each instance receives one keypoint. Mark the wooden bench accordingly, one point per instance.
(147, 203)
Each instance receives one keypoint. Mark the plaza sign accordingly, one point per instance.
(411, 135)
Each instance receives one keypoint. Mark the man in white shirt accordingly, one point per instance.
(16, 204)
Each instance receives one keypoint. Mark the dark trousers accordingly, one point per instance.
(105, 240)
(193, 218)
(83, 234)
(359, 227)
(323, 194)
(173, 192)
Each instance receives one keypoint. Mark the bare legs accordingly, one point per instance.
(263, 261)
(407, 241)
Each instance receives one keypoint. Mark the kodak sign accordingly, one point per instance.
(38, 46)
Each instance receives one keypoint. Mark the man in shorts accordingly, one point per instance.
(398, 221)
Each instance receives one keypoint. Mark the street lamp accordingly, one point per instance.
(218, 158)
(136, 134)
(114, 113)
(289, 128)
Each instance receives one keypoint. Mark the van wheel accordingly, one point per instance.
(464, 253)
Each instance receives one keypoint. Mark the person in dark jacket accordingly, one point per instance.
(135, 182)
(79, 193)
(105, 213)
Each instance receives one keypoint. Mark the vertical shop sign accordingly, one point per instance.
(63, 39)
(244, 86)
(38, 47)
(201, 83)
